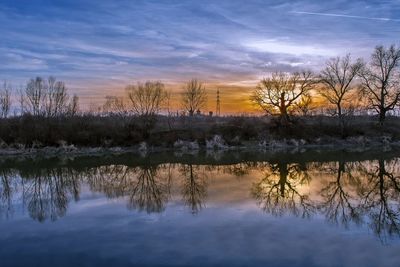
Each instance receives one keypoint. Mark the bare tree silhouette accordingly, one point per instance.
(115, 106)
(279, 94)
(146, 101)
(380, 80)
(56, 98)
(5, 100)
(194, 96)
(337, 79)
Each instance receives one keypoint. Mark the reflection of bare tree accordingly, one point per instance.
(278, 192)
(148, 192)
(112, 180)
(146, 188)
(366, 191)
(341, 203)
(242, 168)
(48, 192)
(355, 193)
(6, 192)
(194, 187)
(381, 196)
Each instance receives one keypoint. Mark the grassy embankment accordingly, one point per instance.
(112, 131)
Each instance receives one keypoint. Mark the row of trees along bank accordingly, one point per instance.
(343, 83)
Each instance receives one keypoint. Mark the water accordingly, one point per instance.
(212, 209)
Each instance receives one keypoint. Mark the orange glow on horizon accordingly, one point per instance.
(235, 99)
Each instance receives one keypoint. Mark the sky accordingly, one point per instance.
(98, 47)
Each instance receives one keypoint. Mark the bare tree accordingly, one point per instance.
(279, 94)
(56, 102)
(35, 96)
(146, 99)
(21, 100)
(5, 100)
(94, 109)
(380, 80)
(73, 107)
(194, 96)
(337, 80)
(114, 105)
(46, 97)
(304, 105)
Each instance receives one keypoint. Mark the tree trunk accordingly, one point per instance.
(283, 110)
(284, 117)
(283, 173)
(341, 119)
(382, 110)
(382, 116)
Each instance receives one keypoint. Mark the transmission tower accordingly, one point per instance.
(218, 113)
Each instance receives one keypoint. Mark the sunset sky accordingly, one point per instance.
(97, 47)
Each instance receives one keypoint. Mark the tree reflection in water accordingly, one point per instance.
(149, 192)
(381, 196)
(346, 193)
(341, 203)
(194, 187)
(47, 192)
(360, 193)
(147, 187)
(8, 187)
(278, 192)
(242, 168)
(111, 180)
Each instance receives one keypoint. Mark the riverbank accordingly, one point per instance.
(92, 135)
(216, 144)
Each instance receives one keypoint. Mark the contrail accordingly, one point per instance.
(344, 16)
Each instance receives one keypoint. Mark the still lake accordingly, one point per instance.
(312, 208)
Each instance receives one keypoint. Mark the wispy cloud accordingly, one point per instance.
(280, 47)
(344, 16)
(94, 46)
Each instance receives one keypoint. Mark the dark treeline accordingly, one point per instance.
(347, 98)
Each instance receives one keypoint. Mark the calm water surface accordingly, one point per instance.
(230, 209)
